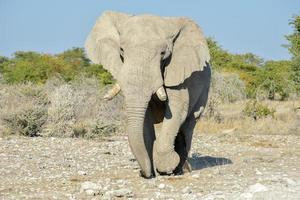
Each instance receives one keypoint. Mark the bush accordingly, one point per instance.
(2, 81)
(58, 108)
(227, 87)
(38, 68)
(61, 112)
(26, 122)
(212, 108)
(23, 109)
(77, 109)
(274, 80)
(257, 110)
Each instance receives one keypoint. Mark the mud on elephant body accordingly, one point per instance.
(161, 65)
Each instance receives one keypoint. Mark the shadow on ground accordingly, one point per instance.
(199, 161)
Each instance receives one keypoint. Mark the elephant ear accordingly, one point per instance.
(103, 43)
(190, 53)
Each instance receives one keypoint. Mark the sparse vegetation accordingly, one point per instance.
(61, 109)
(257, 110)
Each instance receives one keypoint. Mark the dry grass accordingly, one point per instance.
(286, 119)
(75, 109)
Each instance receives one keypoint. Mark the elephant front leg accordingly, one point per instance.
(165, 157)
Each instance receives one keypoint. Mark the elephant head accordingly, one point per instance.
(144, 54)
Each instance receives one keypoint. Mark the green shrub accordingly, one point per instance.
(257, 110)
(38, 68)
(98, 71)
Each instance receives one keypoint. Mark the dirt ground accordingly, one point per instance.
(225, 166)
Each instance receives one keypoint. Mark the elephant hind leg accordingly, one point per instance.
(183, 145)
(180, 148)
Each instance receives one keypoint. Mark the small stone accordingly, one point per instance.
(258, 187)
(219, 194)
(107, 195)
(289, 181)
(257, 172)
(122, 193)
(90, 192)
(89, 186)
(195, 175)
(82, 173)
(246, 196)
(120, 182)
(161, 186)
(187, 190)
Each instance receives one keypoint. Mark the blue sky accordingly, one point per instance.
(240, 26)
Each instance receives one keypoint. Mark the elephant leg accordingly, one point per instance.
(165, 157)
(188, 130)
(180, 148)
(149, 137)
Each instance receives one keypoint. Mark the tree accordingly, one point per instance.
(294, 49)
(75, 57)
(37, 68)
(3, 60)
(275, 78)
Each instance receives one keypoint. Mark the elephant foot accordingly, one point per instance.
(142, 174)
(180, 170)
(165, 162)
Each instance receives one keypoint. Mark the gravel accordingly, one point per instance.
(225, 166)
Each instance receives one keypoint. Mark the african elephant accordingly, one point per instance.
(162, 66)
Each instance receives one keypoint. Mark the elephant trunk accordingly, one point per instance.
(138, 135)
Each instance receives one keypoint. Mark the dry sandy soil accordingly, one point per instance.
(225, 166)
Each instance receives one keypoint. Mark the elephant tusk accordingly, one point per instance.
(112, 92)
(161, 93)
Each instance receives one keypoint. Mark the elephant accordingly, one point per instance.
(161, 65)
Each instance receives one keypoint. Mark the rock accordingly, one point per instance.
(82, 173)
(227, 131)
(258, 187)
(90, 188)
(187, 190)
(195, 175)
(124, 192)
(219, 194)
(289, 181)
(121, 182)
(161, 186)
(257, 172)
(90, 192)
(246, 196)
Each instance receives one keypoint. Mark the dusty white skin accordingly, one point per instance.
(149, 55)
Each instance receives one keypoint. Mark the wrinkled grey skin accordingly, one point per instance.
(144, 53)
